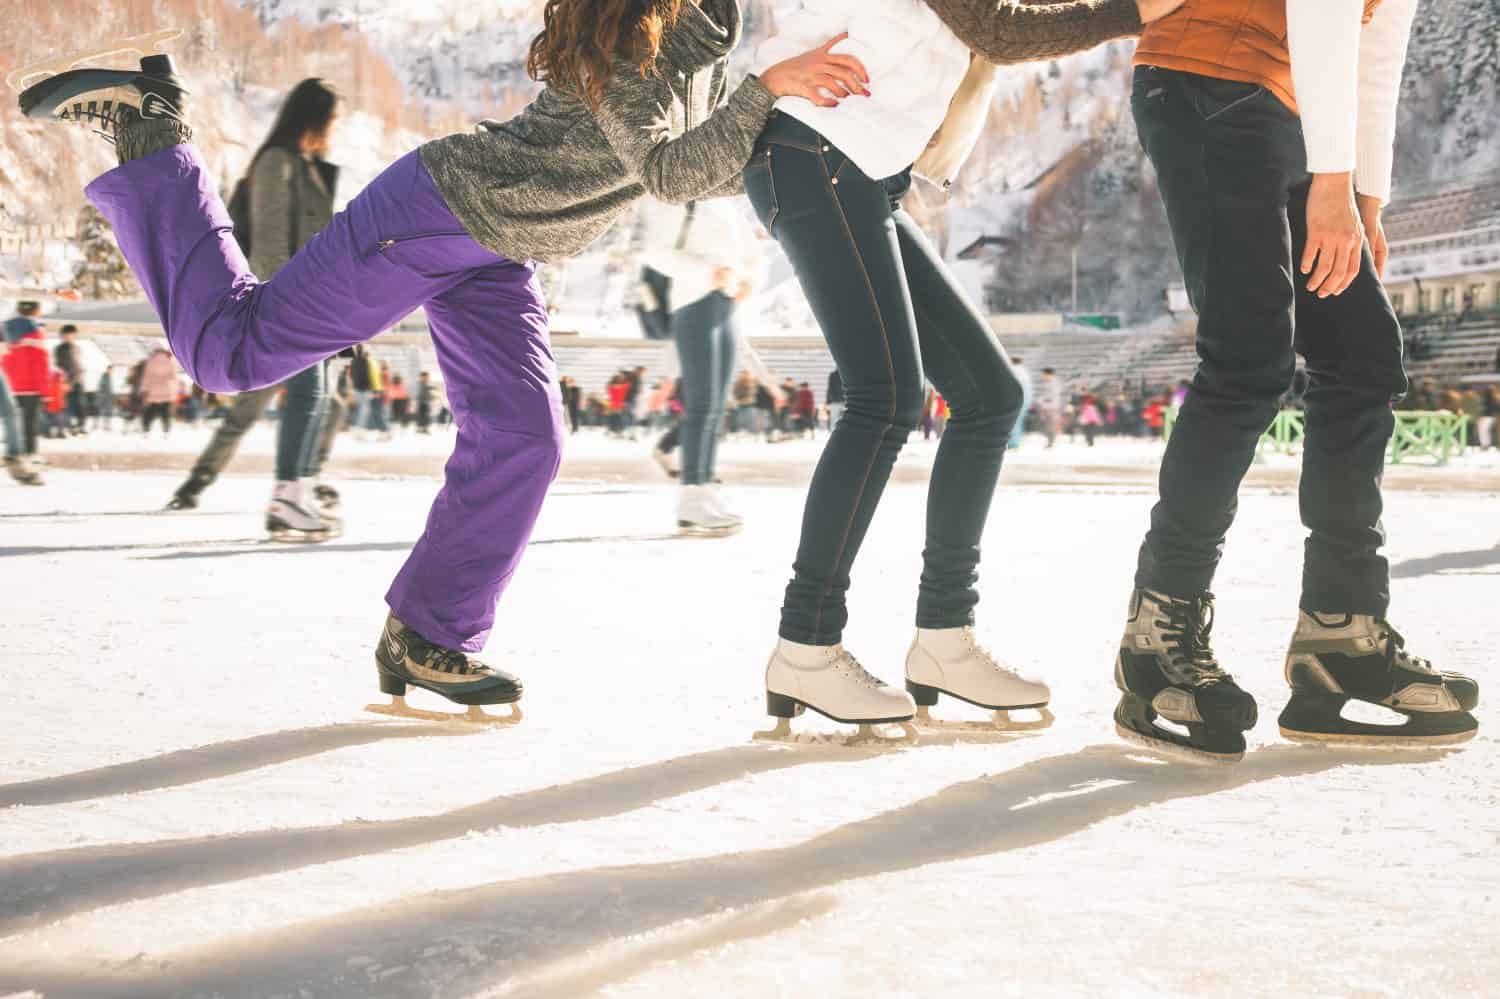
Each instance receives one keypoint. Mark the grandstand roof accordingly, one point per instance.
(1448, 207)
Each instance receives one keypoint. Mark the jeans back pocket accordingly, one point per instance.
(1213, 98)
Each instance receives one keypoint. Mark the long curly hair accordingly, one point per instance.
(581, 39)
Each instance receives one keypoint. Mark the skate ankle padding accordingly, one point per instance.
(140, 137)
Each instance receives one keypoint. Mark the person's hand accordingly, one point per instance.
(1369, 214)
(742, 292)
(1155, 10)
(812, 73)
(1335, 236)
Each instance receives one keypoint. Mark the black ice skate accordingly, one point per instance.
(186, 496)
(134, 108)
(1336, 658)
(404, 657)
(1166, 671)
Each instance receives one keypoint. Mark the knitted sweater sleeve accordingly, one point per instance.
(1004, 31)
(634, 117)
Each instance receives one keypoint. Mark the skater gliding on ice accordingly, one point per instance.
(637, 102)
(20, 458)
(25, 375)
(1274, 120)
(290, 189)
(709, 259)
(827, 184)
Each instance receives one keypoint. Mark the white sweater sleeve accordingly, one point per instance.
(1382, 56)
(1324, 39)
(807, 27)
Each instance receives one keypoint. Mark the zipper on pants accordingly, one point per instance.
(386, 244)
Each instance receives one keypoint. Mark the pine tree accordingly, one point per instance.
(103, 272)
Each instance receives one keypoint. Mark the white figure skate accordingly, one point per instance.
(830, 681)
(950, 661)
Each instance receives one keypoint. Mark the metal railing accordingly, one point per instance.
(1436, 434)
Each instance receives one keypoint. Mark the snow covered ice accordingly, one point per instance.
(193, 804)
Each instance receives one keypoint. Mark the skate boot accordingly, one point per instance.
(663, 461)
(950, 661)
(722, 508)
(1166, 670)
(1336, 658)
(325, 512)
(404, 657)
(22, 472)
(829, 680)
(290, 517)
(186, 496)
(697, 515)
(328, 497)
(140, 110)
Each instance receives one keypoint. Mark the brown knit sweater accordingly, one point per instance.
(1003, 31)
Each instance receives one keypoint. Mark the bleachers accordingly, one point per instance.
(1457, 349)
(1157, 358)
(1089, 358)
(1443, 208)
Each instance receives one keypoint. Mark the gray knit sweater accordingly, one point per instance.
(1006, 31)
(549, 182)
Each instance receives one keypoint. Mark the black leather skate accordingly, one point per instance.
(1166, 670)
(404, 658)
(66, 90)
(139, 110)
(186, 496)
(1336, 658)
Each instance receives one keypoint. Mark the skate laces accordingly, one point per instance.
(1395, 650)
(1187, 632)
(982, 650)
(103, 118)
(441, 659)
(851, 668)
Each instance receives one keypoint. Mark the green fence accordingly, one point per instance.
(1435, 434)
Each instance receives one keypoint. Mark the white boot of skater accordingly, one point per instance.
(830, 681)
(951, 661)
(697, 514)
(324, 512)
(292, 517)
(716, 500)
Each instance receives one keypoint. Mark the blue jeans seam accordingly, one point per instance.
(890, 416)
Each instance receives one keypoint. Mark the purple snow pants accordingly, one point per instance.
(396, 247)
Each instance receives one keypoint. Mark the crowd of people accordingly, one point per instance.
(633, 404)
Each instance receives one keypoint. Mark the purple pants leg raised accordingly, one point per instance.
(395, 248)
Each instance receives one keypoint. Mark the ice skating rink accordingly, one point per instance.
(193, 804)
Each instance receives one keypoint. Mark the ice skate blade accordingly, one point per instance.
(1172, 751)
(697, 531)
(1355, 740)
(1000, 723)
(475, 715)
(144, 45)
(300, 537)
(866, 736)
